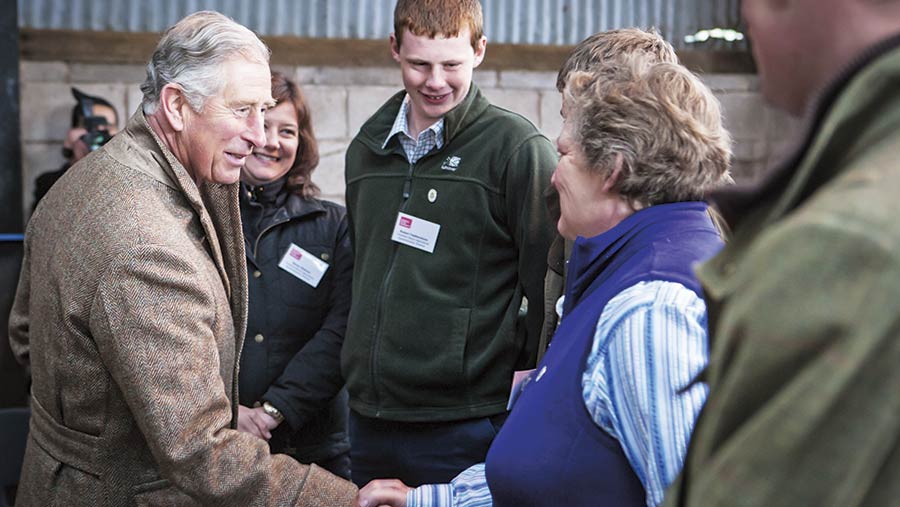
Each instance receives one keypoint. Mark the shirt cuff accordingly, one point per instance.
(430, 495)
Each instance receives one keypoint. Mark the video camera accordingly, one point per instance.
(95, 136)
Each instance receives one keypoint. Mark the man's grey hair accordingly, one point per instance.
(191, 53)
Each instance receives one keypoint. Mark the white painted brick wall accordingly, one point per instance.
(342, 99)
(530, 80)
(524, 102)
(329, 175)
(328, 106)
(363, 102)
(551, 121)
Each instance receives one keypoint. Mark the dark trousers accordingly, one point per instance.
(418, 453)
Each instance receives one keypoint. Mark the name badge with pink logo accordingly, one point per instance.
(416, 232)
(303, 265)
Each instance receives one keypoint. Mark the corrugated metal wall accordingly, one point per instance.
(546, 22)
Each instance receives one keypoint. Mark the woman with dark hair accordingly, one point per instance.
(299, 267)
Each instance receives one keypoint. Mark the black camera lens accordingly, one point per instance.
(96, 139)
(97, 135)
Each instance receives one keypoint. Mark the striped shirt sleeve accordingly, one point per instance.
(468, 489)
(650, 343)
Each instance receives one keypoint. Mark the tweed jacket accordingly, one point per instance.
(130, 314)
(804, 303)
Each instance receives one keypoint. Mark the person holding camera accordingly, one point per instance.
(94, 122)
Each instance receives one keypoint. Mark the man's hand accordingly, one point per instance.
(384, 492)
(256, 422)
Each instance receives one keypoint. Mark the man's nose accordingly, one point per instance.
(436, 78)
(256, 131)
(271, 136)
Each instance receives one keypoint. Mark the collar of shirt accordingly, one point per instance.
(414, 148)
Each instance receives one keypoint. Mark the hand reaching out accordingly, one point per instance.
(384, 492)
(256, 422)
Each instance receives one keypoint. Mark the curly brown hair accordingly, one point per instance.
(606, 48)
(660, 120)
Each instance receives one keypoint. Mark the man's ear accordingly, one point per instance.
(395, 48)
(173, 105)
(480, 50)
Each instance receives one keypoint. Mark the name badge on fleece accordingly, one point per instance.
(303, 265)
(416, 232)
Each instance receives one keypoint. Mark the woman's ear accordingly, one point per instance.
(173, 105)
(614, 174)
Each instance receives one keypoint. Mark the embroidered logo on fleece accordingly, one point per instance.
(451, 163)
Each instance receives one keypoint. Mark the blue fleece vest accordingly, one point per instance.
(550, 451)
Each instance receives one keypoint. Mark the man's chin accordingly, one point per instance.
(227, 176)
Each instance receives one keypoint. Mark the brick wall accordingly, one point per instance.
(342, 99)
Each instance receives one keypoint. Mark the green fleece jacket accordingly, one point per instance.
(804, 304)
(433, 336)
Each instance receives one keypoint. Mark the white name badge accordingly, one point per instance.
(416, 232)
(303, 265)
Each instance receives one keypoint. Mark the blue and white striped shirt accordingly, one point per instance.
(415, 148)
(650, 342)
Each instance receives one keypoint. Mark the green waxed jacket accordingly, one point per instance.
(805, 317)
(433, 336)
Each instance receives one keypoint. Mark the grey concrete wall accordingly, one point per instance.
(342, 99)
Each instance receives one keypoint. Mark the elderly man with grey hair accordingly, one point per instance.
(131, 305)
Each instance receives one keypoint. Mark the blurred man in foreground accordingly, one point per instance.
(804, 407)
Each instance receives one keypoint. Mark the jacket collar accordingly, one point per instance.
(216, 205)
(401, 126)
(465, 113)
(831, 129)
(591, 256)
(153, 158)
(374, 131)
(297, 206)
(290, 204)
(217, 210)
(266, 194)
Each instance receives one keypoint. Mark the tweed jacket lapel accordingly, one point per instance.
(217, 207)
(174, 174)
